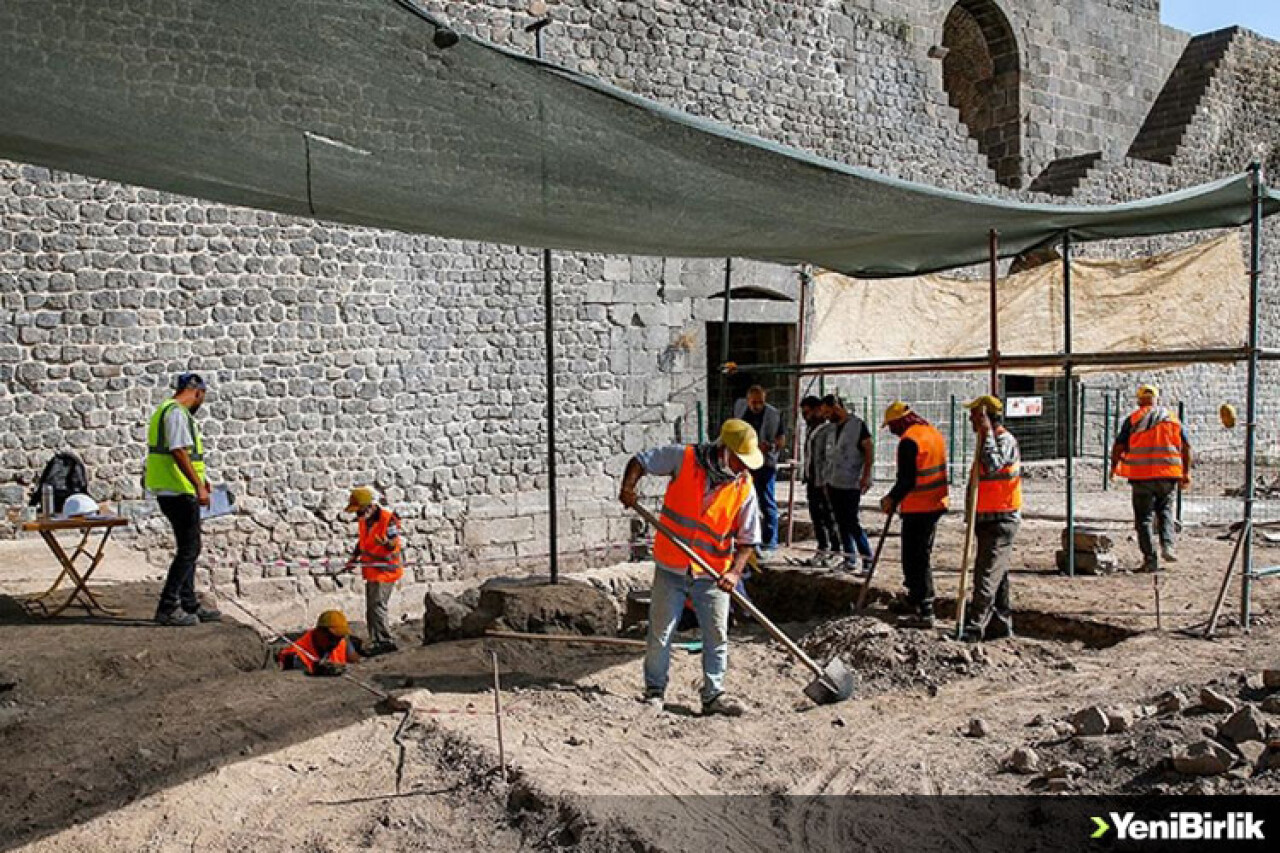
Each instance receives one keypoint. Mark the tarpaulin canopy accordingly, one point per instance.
(1196, 298)
(349, 110)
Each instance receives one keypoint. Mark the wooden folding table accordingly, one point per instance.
(81, 595)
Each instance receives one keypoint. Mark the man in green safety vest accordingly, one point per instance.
(175, 475)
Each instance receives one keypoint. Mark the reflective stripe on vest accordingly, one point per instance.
(378, 562)
(708, 532)
(1001, 490)
(162, 471)
(337, 655)
(1154, 453)
(930, 492)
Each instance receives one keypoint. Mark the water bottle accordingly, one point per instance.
(46, 500)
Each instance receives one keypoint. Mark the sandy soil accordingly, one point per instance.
(120, 735)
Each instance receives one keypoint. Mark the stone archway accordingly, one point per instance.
(982, 73)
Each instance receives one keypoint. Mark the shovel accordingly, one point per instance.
(832, 684)
(875, 561)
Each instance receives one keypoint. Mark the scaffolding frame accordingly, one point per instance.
(995, 361)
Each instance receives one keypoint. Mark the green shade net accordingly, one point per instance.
(346, 110)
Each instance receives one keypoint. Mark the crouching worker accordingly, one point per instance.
(990, 616)
(378, 553)
(710, 504)
(324, 650)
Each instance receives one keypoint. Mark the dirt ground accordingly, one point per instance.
(121, 735)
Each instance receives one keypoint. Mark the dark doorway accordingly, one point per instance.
(749, 343)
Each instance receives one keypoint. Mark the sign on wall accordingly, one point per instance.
(1024, 407)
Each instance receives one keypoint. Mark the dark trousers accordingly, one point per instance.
(991, 602)
(183, 512)
(1153, 502)
(824, 521)
(918, 529)
(845, 503)
(765, 479)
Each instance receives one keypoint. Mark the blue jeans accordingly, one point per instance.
(666, 601)
(765, 478)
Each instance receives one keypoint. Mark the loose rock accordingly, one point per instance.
(1251, 751)
(1244, 725)
(1216, 701)
(1119, 720)
(1060, 786)
(1065, 770)
(978, 728)
(1202, 758)
(1172, 702)
(1271, 679)
(1022, 760)
(1271, 705)
(1090, 722)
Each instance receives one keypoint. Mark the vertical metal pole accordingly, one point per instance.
(1182, 419)
(1251, 403)
(724, 409)
(822, 384)
(995, 325)
(1067, 376)
(1083, 415)
(951, 439)
(549, 342)
(795, 408)
(702, 430)
(1106, 442)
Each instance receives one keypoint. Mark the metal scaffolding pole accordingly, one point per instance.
(995, 324)
(1251, 401)
(720, 414)
(549, 342)
(1071, 409)
(795, 408)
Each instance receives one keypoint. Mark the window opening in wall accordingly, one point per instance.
(749, 343)
(981, 72)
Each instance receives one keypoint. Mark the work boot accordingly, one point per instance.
(176, 618)
(923, 620)
(899, 604)
(209, 614)
(722, 705)
(1168, 554)
(382, 647)
(653, 697)
(1148, 566)
(1000, 629)
(971, 634)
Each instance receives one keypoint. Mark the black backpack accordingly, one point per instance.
(67, 474)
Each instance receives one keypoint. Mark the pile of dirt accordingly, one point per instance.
(886, 658)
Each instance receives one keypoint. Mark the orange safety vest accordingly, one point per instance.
(1001, 490)
(337, 655)
(1154, 453)
(380, 561)
(708, 531)
(930, 492)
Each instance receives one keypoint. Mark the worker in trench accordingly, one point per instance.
(325, 650)
(379, 553)
(919, 495)
(999, 515)
(711, 504)
(1153, 453)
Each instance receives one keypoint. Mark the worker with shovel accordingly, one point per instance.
(378, 553)
(710, 503)
(998, 518)
(919, 495)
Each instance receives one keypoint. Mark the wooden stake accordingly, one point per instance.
(497, 716)
(970, 519)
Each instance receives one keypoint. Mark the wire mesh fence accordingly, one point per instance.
(1040, 424)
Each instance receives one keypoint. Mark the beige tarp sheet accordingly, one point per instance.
(1191, 299)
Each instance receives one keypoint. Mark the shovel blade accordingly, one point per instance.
(834, 685)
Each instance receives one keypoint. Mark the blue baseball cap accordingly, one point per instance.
(189, 380)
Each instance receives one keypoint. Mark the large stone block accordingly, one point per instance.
(536, 606)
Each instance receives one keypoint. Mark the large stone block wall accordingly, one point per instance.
(343, 355)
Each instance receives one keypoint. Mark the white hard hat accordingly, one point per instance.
(79, 505)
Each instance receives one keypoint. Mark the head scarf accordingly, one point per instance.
(712, 458)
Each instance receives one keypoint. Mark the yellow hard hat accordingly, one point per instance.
(990, 404)
(1227, 414)
(361, 497)
(740, 437)
(896, 410)
(335, 622)
(1148, 391)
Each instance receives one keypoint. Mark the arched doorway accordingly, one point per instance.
(982, 75)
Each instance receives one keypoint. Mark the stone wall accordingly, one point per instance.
(342, 355)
